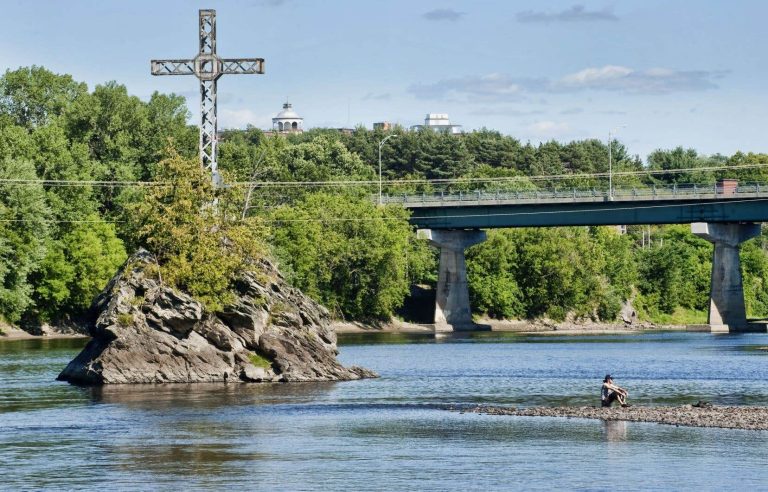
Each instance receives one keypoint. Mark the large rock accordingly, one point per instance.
(146, 332)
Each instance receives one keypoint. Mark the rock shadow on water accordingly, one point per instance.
(207, 396)
(207, 460)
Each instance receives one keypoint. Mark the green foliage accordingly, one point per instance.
(754, 265)
(199, 245)
(675, 272)
(24, 231)
(491, 269)
(60, 244)
(552, 272)
(31, 97)
(77, 267)
(125, 319)
(259, 360)
(346, 252)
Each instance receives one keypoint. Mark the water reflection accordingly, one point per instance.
(41, 344)
(615, 430)
(391, 433)
(188, 458)
(207, 396)
(508, 337)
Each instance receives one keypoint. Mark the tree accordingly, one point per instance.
(32, 97)
(77, 268)
(553, 272)
(346, 252)
(675, 271)
(24, 229)
(201, 246)
(681, 163)
(491, 269)
(492, 148)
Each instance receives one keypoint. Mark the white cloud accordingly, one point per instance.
(443, 15)
(651, 81)
(386, 96)
(549, 129)
(490, 86)
(577, 13)
(592, 75)
(617, 78)
(572, 111)
(503, 111)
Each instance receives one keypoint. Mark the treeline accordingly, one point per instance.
(62, 234)
(589, 272)
(583, 272)
(73, 206)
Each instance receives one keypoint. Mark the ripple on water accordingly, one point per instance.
(392, 432)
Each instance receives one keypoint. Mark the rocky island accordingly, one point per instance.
(144, 331)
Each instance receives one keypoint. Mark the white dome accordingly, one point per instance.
(287, 113)
(287, 120)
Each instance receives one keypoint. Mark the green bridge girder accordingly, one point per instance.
(487, 214)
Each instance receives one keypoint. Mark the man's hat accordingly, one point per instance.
(607, 377)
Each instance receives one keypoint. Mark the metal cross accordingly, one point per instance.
(208, 67)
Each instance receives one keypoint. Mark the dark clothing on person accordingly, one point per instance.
(608, 400)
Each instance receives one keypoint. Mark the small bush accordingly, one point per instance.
(259, 360)
(125, 319)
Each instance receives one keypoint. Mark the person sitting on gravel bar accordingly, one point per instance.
(611, 393)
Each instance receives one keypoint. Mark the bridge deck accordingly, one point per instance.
(673, 205)
(665, 193)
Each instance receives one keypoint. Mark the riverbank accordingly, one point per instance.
(539, 326)
(542, 327)
(746, 418)
(12, 333)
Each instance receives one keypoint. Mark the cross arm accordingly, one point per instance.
(173, 67)
(242, 65)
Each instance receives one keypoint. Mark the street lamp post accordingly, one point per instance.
(380, 145)
(610, 160)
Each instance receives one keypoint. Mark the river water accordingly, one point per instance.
(394, 433)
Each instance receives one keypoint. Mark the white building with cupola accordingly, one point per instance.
(440, 123)
(287, 121)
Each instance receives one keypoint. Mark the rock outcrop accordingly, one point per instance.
(146, 332)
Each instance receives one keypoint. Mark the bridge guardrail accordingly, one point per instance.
(676, 191)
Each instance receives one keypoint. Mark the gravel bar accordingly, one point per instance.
(699, 415)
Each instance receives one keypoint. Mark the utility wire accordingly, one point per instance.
(345, 183)
(341, 183)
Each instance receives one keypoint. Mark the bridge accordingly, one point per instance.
(724, 213)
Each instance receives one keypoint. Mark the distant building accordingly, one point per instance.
(287, 121)
(439, 122)
(384, 126)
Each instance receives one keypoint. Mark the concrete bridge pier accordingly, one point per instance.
(452, 309)
(727, 312)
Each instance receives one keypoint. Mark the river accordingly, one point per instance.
(393, 433)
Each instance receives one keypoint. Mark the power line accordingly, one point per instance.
(56, 221)
(72, 182)
(341, 183)
(351, 183)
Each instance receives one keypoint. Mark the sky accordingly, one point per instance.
(662, 73)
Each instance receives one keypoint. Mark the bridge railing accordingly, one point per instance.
(674, 191)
